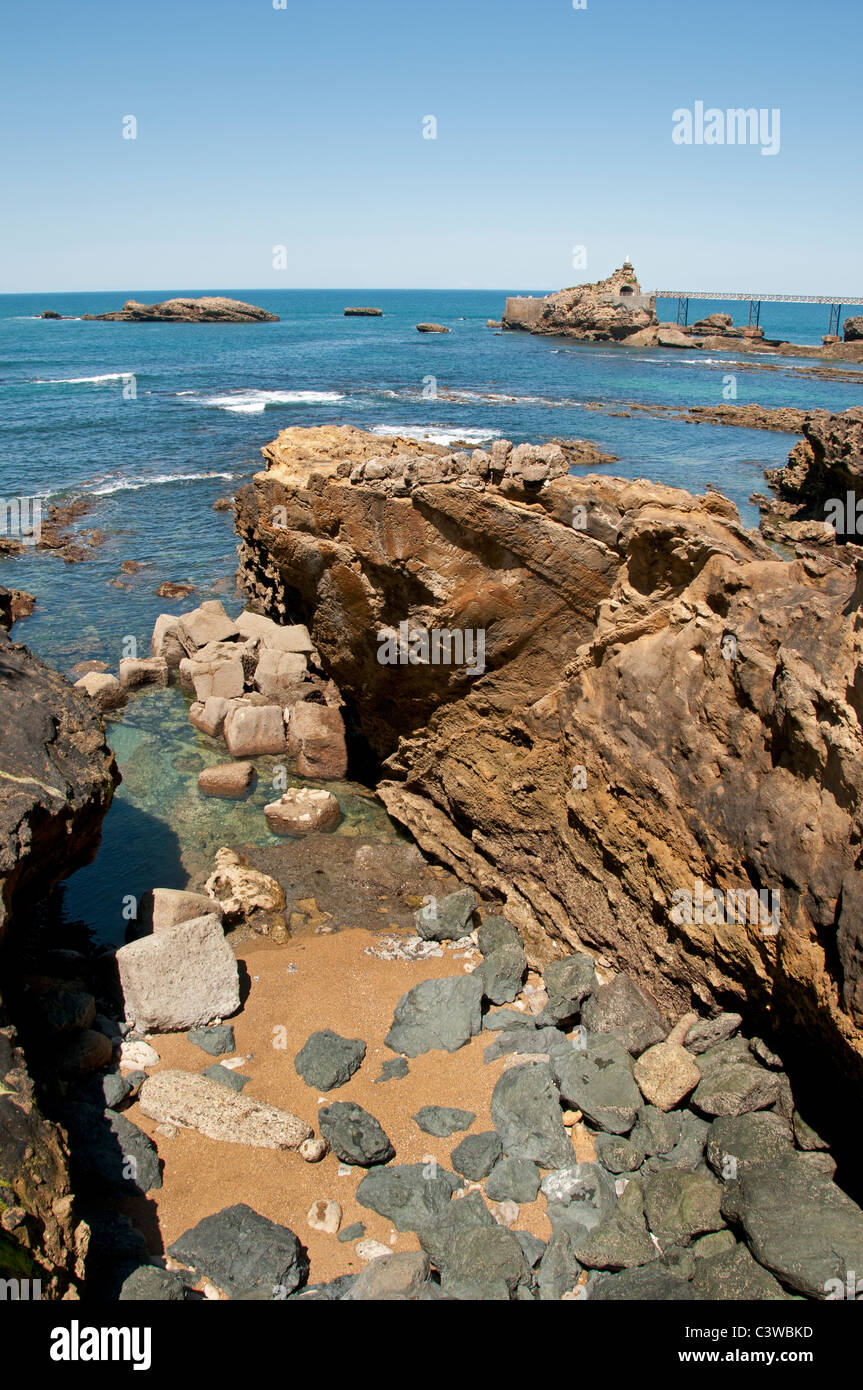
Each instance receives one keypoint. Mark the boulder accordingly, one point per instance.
(144, 670)
(109, 1153)
(443, 1120)
(240, 1251)
(354, 1135)
(150, 1284)
(681, 1205)
(302, 811)
(278, 673)
(735, 1089)
(598, 1080)
(665, 1074)
(165, 641)
(437, 1014)
(200, 1103)
(525, 1111)
(853, 329)
(180, 977)
(292, 638)
(316, 737)
(409, 1195)
(622, 1007)
(229, 780)
(168, 907)
(737, 1142)
(209, 715)
(253, 731)
(391, 1276)
(431, 328)
(208, 623)
(447, 918)
(103, 689)
(580, 1197)
(215, 1040)
(513, 1179)
(224, 679)
(476, 1156)
(567, 982)
(327, 1060)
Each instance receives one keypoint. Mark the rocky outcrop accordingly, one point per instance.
(609, 309)
(207, 309)
(57, 777)
(853, 330)
(818, 489)
(665, 708)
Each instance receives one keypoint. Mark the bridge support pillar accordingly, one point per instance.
(835, 319)
(683, 311)
(754, 313)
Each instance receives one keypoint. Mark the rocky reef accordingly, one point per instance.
(816, 492)
(666, 708)
(207, 309)
(57, 778)
(613, 308)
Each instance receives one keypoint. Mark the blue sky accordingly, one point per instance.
(302, 127)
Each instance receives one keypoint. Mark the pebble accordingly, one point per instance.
(371, 1249)
(325, 1215)
(313, 1150)
(137, 1055)
(505, 1213)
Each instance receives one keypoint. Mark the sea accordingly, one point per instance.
(152, 423)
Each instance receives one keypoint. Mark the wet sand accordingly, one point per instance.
(336, 985)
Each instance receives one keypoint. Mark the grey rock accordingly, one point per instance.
(216, 1040)
(707, 1032)
(483, 1257)
(443, 1013)
(765, 1055)
(505, 1020)
(476, 1155)
(736, 1088)
(443, 1120)
(567, 983)
(598, 1081)
(446, 919)
(618, 1243)
(688, 1152)
(714, 1243)
(527, 1042)
(240, 1251)
(150, 1284)
(579, 1198)
(355, 1231)
(354, 1135)
(807, 1138)
(733, 1276)
(64, 1011)
(655, 1131)
(719, 1054)
(114, 1089)
(496, 932)
(623, 1008)
(327, 1060)
(525, 1111)
(736, 1142)
(558, 1269)
(680, 1205)
(513, 1179)
(441, 1235)
(408, 1194)
(393, 1069)
(391, 1276)
(798, 1224)
(502, 973)
(532, 1247)
(109, 1153)
(234, 1080)
(653, 1283)
(617, 1154)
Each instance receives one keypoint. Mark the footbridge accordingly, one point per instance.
(837, 303)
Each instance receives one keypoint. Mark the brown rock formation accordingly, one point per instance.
(613, 308)
(817, 490)
(207, 309)
(663, 702)
(57, 777)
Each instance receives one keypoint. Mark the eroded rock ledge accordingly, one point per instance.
(57, 777)
(664, 702)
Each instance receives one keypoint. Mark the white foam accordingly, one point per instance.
(134, 484)
(81, 380)
(256, 402)
(430, 434)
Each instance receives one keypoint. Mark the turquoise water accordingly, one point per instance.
(154, 422)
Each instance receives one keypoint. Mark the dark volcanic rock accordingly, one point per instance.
(393, 1069)
(446, 919)
(567, 983)
(598, 1080)
(437, 1014)
(736, 1089)
(736, 1142)
(354, 1135)
(217, 1039)
(240, 1251)
(525, 1111)
(327, 1060)
(109, 1153)
(150, 1284)
(476, 1155)
(679, 1205)
(622, 1007)
(409, 1195)
(798, 1224)
(513, 1178)
(443, 1120)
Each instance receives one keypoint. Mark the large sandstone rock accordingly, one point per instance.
(316, 737)
(206, 309)
(615, 752)
(180, 977)
(611, 308)
(103, 689)
(279, 673)
(255, 730)
(208, 623)
(168, 907)
(216, 1111)
(302, 811)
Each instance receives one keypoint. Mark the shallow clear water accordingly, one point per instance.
(154, 422)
